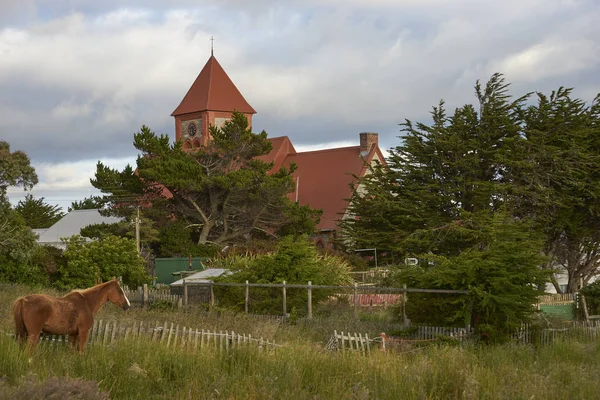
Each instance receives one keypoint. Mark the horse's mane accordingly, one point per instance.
(93, 288)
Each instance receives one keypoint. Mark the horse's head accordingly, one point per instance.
(116, 295)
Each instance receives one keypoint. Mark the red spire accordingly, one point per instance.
(213, 91)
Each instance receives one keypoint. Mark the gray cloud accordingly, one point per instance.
(77, 78)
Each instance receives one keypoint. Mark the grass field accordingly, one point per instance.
(302, 369)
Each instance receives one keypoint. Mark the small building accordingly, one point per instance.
(70, 225)
(199, 288)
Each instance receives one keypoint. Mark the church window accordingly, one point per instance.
(192, 129)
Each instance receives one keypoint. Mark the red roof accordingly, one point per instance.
(323, 177)
(214, 91)
(282, 148)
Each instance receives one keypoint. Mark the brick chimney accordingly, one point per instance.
(367, 141)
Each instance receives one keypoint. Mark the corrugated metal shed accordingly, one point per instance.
(71, 224)
(202, 276)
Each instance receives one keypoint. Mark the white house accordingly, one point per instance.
(71, 225)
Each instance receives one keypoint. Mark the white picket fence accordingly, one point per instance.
(362, 343)
(168, 334)
(583, 330)
(136, 297)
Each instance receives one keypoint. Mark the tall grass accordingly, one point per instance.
(302, 369)
(144, 370)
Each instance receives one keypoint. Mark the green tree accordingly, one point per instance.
(17, 241)
(17, 248)
(15, 169)
(500, 269)
(559, 171)
(222, 192)
(540, 161)
(89, 203)
(295, 260)
(37, 213)
(176, 240)
(455, 194)
(89, 262)
(457, 164)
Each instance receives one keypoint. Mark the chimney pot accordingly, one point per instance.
(367, 141)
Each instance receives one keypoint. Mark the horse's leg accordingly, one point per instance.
(73, 342)
(83, 335)
(34, 329)
(33, 339)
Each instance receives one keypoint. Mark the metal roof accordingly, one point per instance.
(202, 276)
(72, 223)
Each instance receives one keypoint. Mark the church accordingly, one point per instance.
(323, 177)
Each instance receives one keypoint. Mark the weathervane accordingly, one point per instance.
(212, 45)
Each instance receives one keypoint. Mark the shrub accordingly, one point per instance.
(296, 261)
(88, 262)
(501, 272)
(592, 297)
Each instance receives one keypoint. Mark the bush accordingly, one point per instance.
(296, 261)
(26, 272)
(592, 297)
(88, 262)
(501, 271)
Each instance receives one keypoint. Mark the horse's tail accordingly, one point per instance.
(20, 329)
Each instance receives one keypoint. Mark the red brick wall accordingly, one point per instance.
(208, 118)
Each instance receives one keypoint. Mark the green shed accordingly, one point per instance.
(165, 267)
(562, 311)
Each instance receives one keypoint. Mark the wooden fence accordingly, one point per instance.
(361, 342)
(584, 330)
(145, 296)
(526, 334)
(353, 293)
(558, 298)
(168, 334)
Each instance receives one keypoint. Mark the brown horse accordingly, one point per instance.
(71, 315)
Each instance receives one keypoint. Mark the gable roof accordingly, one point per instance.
(324, 178)
(213, 90)
(323, 181)
(282, 148)
(72, 223)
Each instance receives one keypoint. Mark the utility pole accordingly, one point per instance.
(137, 230)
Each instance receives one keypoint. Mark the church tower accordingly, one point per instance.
(211, 100)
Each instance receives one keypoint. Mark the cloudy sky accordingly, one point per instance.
(79, 77)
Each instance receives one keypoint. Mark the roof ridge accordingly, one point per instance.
(226, 97)
(326, 150)
(211, 61)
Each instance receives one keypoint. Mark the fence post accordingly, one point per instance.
(404, 319)
(185, 293)
(284, 301)
(355, 300)
(585, 309)
(309, 300)
(470, 316)
(383, 337)
(212, 295)
(145, 295)
(246, 300)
